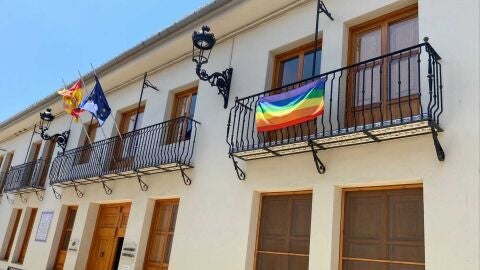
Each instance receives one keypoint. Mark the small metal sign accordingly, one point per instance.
(129, 249)
(73, 245)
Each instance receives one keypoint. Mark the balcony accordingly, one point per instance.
(27, 178)
(392, 96)
(160, 148)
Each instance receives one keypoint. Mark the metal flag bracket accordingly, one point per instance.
(240, 173)
(186, 179)
(318, 163)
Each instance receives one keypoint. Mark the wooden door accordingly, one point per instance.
(291, 67)
(86, 153)
(387, 88)
(123, 152)
(283, 241)
(383, 229)
(6, 168)
(46, 163)
(184, 105)
(26, 238)
(111, 225)
(161, 235)
(65, 238)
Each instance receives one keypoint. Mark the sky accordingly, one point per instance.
(43, 42)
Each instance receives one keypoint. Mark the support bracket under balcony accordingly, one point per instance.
(40, 197)
(57, 195)
(438, 146)
(107, 189)
(23, 199)
(80, 194)
(10, 201)
(143, 185)
(186, 179)
(240, 173)
(318, 163)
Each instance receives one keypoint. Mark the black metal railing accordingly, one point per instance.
(162, 147)
(28, 177)
(402, 87)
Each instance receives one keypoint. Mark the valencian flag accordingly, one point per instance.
(71, 100)
(290, 108)
(96, 103)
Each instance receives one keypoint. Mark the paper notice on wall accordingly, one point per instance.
(126, 267)
(44, 226)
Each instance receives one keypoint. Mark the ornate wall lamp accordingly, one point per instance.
(46, 118)
(204, 42)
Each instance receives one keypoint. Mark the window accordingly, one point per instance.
(184, 105)
(377, 84)
(383, 229)
(296, 65)
(161, 235)
(6, 168)
(17, 213)
(65, 238)
(283, 242)
(26, 238)
(87, 151)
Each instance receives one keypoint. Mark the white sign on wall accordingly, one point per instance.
(44, 226)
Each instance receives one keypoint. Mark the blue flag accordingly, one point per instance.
(96, 103)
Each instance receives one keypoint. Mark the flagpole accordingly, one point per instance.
(114, 120)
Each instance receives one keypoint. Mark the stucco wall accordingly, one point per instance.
(217, 216)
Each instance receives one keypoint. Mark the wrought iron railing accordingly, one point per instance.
(28, 177)
(394, 95)
(163, 147)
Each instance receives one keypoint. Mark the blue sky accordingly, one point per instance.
(45, 41)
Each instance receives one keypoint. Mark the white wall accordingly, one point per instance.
(217, 217)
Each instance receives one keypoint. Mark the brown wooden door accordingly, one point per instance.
(184, 105)
(383, 229)
(161, 235)
(65, 238)
(28, 233)
(46, 163)
(387, 88)
(110, 228)
(8, 164)
(124, 147)
(283, 242)
(18, 214)
(291, 67)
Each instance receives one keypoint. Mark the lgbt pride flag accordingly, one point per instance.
(290, 108)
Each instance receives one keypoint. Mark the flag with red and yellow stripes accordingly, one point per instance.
(71, 99)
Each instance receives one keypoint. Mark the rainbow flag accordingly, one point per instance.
(290, 108)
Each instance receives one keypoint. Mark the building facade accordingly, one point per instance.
(386, 178)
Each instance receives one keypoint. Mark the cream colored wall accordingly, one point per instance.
(217, 217)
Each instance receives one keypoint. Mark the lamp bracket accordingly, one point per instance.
(60, 138)
(221, 80)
